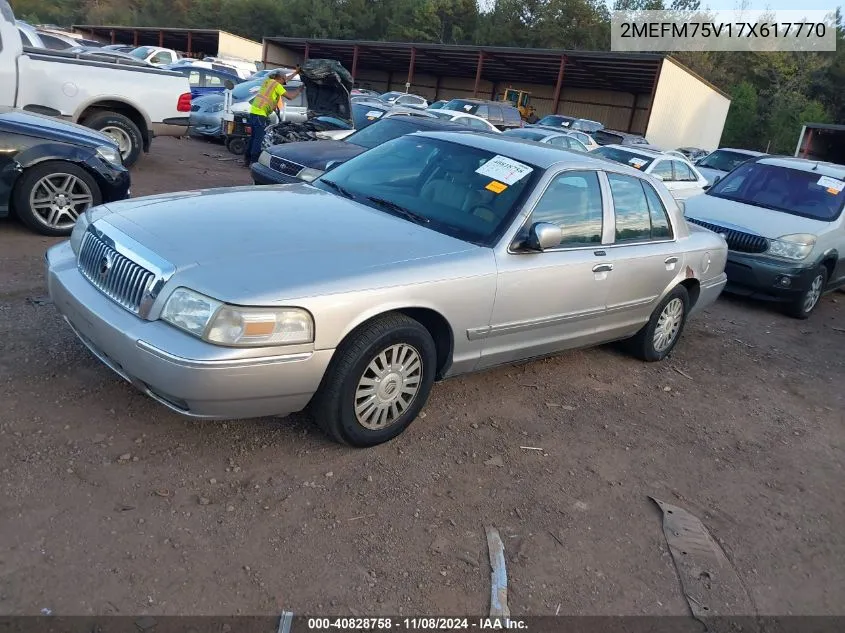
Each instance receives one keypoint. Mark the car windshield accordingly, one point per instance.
(459, 105)
(556, 121)
(380, 132)
(364, 114)
(531, 135)
(618, 155)
(723, 160)
(794, 191)
(387, 96)
(142, 52)
(464, 192)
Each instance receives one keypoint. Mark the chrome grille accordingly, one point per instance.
(115, 275)
(738, 241)
(284, 166)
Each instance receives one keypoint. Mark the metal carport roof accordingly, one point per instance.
(204, 41)
(625, 72)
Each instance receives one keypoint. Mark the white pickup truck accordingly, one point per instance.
(131, 104)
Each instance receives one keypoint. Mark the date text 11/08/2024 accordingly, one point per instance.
(415, 624)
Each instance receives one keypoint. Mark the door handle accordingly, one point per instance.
(602, 268)
(670, 260)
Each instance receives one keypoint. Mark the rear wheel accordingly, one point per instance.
(50, 196)
(804, 305)
(379, 380)
(122, 131)
(660, 335)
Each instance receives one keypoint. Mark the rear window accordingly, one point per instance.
(723, 160)
(462, 106)
(531, 135)
(804, 193)
(617, 155)
(603, 137)
(556, 121)
(364, 115)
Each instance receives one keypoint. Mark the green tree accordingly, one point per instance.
(740, 126)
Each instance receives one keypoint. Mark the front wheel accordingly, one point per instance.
(804, 305)
(378, 381)
(50, 196)
(664, 328)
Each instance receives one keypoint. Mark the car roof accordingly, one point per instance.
(804, 164)
(642, 151)
(459, 113)
(750, 152)
(539, 154)
(430, 123)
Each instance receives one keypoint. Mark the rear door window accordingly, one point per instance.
(512, 116)
(483, 111)
(683, 172)
(495, 115)
(663, 168)
(633, 218)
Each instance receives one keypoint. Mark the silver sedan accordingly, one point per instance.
(432, 255)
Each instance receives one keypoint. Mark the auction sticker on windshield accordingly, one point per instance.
(374, 114)
(832, 185)
(504, 169)
(637, 162)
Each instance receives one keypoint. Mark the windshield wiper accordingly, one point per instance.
(400, 210)
(338, 188)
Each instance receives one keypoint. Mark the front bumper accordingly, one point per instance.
(262, 175)
(114, 182)
(178, 370)
(766, 278)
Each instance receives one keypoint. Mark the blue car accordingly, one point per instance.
(205, 81)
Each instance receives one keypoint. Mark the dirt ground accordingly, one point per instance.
(112, 504)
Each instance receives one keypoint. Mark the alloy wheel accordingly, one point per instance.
(814, 293)
(58, 199)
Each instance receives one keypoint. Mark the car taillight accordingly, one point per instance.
(184, 103)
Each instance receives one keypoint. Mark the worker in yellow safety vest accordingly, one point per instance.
(266, 100)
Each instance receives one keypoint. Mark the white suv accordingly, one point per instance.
(782, 220)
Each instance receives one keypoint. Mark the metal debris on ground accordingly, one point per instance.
(531, 448)
(498, 575)
(285, 621)
(684, 374)
(713, 588)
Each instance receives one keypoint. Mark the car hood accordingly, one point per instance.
(316, 155)
(20, 122)
(264, 244)
(709, 173)
(749, 218)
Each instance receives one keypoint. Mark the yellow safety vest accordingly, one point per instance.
(264, 102)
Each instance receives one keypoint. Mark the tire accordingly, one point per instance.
(34, 186)
(334, 404)
(803, 307)
(124, 132)
(236, 145)
(644, 344)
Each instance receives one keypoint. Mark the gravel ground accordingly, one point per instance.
(112, 504)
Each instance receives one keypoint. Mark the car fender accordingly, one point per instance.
(104, 99)
(47, 151)
(383, 308)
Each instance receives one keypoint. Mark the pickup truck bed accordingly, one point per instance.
(131, 103)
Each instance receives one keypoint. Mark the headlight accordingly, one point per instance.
(264, 159)
(217, 107)
(795, 247)
(109, 154)
(237, 326)
(82, 224)
(308, 174)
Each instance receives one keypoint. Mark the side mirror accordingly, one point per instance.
(229, 84)
(544, 235)
(716, 179)
(706, 187)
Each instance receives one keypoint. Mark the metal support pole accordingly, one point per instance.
(559, 84)
(190, 43)
(307, 50)
(161, 39)
(478, 68)
(808, 143)
(113, 37)
(411, 70)
(354, 61)
(437, 88)
(135, 38)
